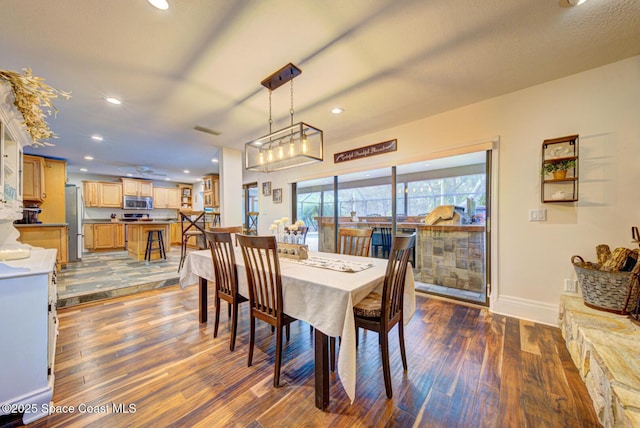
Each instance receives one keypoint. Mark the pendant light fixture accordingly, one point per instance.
(295, 145)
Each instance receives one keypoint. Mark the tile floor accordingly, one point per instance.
(102, 275)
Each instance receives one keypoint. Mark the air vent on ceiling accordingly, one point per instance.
(207, 130)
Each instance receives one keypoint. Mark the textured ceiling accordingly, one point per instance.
(385, 62)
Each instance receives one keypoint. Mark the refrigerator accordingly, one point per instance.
(74, 214)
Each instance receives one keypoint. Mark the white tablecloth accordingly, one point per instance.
(322, 297)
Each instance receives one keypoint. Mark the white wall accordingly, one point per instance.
(533, 259)
(230, 187)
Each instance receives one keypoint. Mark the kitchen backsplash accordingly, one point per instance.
(105, 213)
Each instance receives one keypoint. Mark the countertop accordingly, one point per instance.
(107, 220)
(146, 223)
(42, 225)
(411, 225)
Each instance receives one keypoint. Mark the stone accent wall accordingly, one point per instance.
(605, 348)
(453, 259)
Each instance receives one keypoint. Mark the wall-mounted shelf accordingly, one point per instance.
(559, 170)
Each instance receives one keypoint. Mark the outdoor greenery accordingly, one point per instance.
(419, 198)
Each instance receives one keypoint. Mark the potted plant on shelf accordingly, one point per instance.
(559, 169)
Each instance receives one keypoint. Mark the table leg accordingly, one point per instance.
(321, 369)
(203, 309)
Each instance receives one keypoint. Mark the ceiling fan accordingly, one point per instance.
(148, 171)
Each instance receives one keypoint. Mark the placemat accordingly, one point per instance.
(335, 264)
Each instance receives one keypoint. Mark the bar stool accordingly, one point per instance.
(215, 219)
(252, 226)
(155, 235)
(191, 227)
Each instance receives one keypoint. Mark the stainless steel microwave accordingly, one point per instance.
(138, 203)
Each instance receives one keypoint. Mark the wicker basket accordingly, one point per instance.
(615, 292)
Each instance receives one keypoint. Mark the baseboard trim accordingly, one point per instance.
(531, 310)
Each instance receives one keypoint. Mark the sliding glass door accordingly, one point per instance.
(443, 201)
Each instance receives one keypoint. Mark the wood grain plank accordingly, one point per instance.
(467, 367)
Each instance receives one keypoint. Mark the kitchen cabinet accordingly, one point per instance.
(166, 197)
(33, 176)
(55, 178)
(175, 233)
(186, 193)
(54, 236)
(13, 137)
(104, 236)
(559, 182)
(28, 305)
(211, 191)
(134, 187)
(98, 194)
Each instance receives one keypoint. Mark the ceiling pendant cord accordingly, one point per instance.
(291, 109)
(270, 120)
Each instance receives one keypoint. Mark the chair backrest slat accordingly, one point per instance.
(393, 291)
(224, 262)
(263, 274)
(354, 242)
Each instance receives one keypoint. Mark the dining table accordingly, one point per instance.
(320, 290)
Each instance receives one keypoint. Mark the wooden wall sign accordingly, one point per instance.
(364, 152)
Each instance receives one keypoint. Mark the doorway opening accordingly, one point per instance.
(249, 203)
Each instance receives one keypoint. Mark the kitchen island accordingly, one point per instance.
(138, 232)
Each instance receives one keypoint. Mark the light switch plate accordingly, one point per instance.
(538, 215)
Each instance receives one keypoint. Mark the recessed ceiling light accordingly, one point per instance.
(186, 171)
(167, 179)
(571, 3)
(159, 4)
(88, 157)
(113, 100)
(337, 110)
(97, 138)
(214, 160)
(83, 169)
(129, 175)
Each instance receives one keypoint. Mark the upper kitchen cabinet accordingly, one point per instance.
(10, 175)
(211, 191)
(33, 175)
(166, 197)
(133, 187)
(186, 192)
(99, 194)
(13, 138)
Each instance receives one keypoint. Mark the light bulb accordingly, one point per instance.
(261, 160)
(304, 143)
(270, 155)
(291, 148)
(280, 152)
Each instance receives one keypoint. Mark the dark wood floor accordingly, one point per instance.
(467, 368)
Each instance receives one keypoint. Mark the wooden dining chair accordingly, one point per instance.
(355, 242)
(235, 230)
(386, 237)
(226, 276)
(381, 312)
(265, 291)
